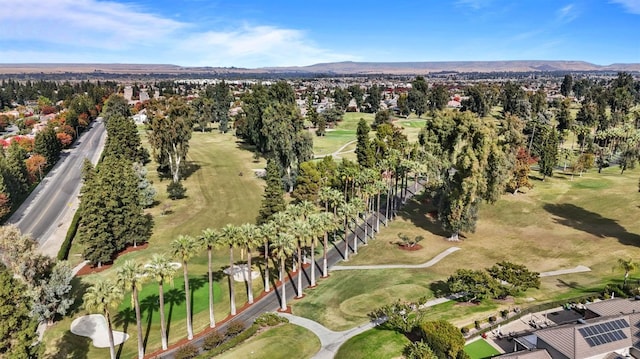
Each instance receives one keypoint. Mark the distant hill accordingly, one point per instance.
(337, 68)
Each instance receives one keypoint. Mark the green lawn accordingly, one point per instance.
(221, 189)
(374, 344)
(560, 223)
(480, 349)
(287, 341)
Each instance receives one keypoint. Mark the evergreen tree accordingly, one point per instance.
(17, 328)
(548, 154)
(273, 199)
(438, 98)
(374, 96)
(123, 140)
(221, 99)
(307, 183)
(5, 199)
(47, 144)
(53, 296)
(364, 150)
(115, 105)
(567, 85)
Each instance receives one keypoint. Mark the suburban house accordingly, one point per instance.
(610, 329)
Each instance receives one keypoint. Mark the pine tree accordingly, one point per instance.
(548, 154)
(273, 199)
(47, 144)
(18, 329)
(364, 150)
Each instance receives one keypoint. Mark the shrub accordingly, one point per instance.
(234, 328)
(187, 351)
(476, 324)
(63, 253)
(176, 190)
(233, 341)
(270, 320)
(504, 313)
(213, 340)
(492, 319)
(464, 330)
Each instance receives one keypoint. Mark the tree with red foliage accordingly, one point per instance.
(47, 110)
(25, 142)
(64, 138)
(5, 201)
(520, 176)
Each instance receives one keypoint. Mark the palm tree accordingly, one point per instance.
(317, 224)
(161, 269)
(346, 211)
(184, 248)
(210, 239)
(249, 237)
(130, 277)
(331, 224)
(230, 238)
(282, 247)
(100, 297)
(267, 231)
(358, 207)
(628, 265)
(380, 186)
(302, 232)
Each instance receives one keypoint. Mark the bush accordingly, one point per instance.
(187, 351)
(213, 340)
(234, 328)
(504, 313)
(476, 324)
(270, 320)
(233, 341)
(176, 190)
(492, 319)
(63, 253)
(464, 330)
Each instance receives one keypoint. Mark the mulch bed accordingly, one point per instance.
(416, 247)
(89, 269)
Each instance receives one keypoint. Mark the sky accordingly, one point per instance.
(263, 33)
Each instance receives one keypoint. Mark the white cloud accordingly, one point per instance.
(567, 13)
(474, 4)
(108, 31)
(632, 6)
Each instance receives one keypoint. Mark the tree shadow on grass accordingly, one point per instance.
(172, 298)
(189, 168)
(581, 219)
(78, 288)
(71, 346)
(123, 319)
(422, 213)
(149, 305)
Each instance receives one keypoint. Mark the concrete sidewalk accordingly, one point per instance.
(427, 264)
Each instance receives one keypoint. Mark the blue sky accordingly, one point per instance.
(259, 33)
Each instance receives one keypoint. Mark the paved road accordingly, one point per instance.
(271, 301)
(42, 211)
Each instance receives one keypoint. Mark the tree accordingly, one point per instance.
(520, 176)
(130, 277)
(53, 295)
(515, 278)
(307, 182)
(382, 117)
(419, 350)
(221, 98)
(14, 246)
(628, 266)
(563, 116)
(341, 98)
(210, 239)
(282, 247)
(100, 297)
(230, 239)
(47, 144)
(273, 199)
(35, 164)
(443, 338)
(476, 101)
(567, 85)
(548, 154)
(417, 101)
(403, 104)
(364, 151)
(123, 140)
(249, 237)
(357, 94)
(18, 328)
(475, 285)
(401, 317)
(374, 96)
(161, 269)
(438, 98)
(169, 133)
(184, 248)
(203, 112)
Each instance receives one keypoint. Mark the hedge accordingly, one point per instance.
(238, 339)
(63, 254)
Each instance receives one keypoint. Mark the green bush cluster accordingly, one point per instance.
(63, 253)
(270, 320)
(186, 351)
(233, 342)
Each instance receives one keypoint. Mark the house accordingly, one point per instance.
(611, 329)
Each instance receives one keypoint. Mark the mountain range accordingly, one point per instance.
(336, 68)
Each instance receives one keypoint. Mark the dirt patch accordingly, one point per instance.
(416, 247)
(89, 269)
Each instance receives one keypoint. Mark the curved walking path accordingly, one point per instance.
(427, 264)
(577, 269)
(330, 341)
(338, 151)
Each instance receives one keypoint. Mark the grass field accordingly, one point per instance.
(560, 223)
(287, 341)
(480, 349)
(374, 344)
(221, 189)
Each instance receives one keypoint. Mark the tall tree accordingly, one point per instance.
(102, 296)
(130, 277)
(548, 154)
(374, 96)
(307, 182)
(210, 239)
(169, 133)
(476, 101)
(628, 266)
(438, 98)
(230, 238)
(567, 85)
(273, 199)
(47, 144)
(184, 248)
(52, 296)
(364, 151)
(282, 247)
(161, 269)
(18, 328)
(268, 231)
(221, 97)
(249, 237)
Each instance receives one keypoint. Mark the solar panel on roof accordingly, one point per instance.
(615, 324)
(609, 326)
(604, 333)
(590, 342)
